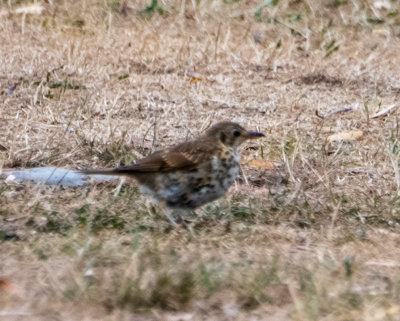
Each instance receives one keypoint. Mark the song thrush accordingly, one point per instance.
(190, 174)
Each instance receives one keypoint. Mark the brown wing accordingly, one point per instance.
(183, 156)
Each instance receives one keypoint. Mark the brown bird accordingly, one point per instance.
(193, 173)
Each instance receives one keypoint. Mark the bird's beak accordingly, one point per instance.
(253, 135)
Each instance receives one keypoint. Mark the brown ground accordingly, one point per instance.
(101, 83)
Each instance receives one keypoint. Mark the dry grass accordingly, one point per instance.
(99, 83)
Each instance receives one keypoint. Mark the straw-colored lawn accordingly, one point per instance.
(310, 231)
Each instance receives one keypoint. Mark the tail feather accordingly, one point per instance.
(100, 172)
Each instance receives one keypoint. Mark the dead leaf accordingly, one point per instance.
(261, 163)
(346, 136)
(195, 76)
(193, 79)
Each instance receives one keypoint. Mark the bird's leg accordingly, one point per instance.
(179, 215)
(187, 216)
(169, 214)
(185, 222)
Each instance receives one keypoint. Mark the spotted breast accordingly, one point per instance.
(206, 183)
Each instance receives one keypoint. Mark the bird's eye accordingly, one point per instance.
(236, 133)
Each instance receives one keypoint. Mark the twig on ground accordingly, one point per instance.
(385, 111)
(344, 110)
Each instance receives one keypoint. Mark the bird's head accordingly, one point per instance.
(231, 134)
